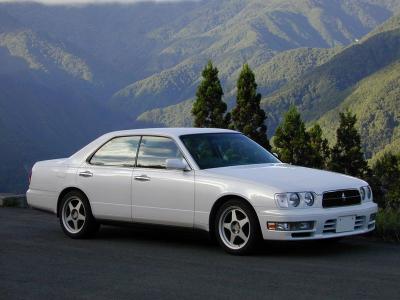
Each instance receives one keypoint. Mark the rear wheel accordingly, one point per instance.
(236, 228)
(76, 217)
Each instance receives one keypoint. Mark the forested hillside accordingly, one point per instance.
(362, 77)
(48, 105)
(376, 102)
(233, 32)
(284, 67)
(69, 73)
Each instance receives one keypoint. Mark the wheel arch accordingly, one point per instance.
(64, 192)
(220, 201)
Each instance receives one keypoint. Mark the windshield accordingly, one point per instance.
(215, 150)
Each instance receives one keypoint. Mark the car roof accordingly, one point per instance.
(172, 132)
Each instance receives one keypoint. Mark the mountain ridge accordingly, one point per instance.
(70, 73)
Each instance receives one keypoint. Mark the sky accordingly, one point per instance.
(55, 2)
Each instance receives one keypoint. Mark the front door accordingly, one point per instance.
(107, 178)
(159, 195)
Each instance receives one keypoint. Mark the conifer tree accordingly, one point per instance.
(319, 148)
(291, 140)
(385, 181)
(209, 109)
(248, 117)
(347, 155)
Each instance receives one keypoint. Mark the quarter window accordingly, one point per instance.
(119, 152)
(154, 151)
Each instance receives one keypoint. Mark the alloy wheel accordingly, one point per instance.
(234, 228)
(73, 214)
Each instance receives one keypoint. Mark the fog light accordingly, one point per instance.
(290, 226)
(283, 226)
(302, 226)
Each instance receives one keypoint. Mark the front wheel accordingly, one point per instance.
(76, 217)
(237, 228)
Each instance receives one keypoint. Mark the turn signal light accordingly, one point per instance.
(271, 226)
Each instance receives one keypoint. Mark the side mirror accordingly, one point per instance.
(176, 164)
(276, 154)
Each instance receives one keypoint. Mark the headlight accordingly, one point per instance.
(294, 199)
(366, 193)
(369, 192)
(282, 200)
(309, 198)
(362, 193)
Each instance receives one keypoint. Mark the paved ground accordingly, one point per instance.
(38, 261)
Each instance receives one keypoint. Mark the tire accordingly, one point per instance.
(76, 217)
(236, 228)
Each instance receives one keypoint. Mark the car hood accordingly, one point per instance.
(289, 178)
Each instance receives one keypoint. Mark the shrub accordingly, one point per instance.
(388, 224)
(15, 201)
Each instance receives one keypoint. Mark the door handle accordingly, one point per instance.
(142, 178)
(86, 174)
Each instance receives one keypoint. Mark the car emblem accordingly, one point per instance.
(343, 197)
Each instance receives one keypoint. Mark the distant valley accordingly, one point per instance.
(70, 73)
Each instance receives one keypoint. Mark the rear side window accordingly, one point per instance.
(120, 152)
(154, 151)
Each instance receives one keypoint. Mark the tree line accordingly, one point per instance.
(293, 142)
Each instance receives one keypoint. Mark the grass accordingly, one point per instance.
(15, 201)
(388, 225)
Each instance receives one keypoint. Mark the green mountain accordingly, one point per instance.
(169, 86)
(327, 86)
(276, 72)
(376, 102)
(233, 32)
(69, 73)
(177, 115)
(364, 78)
(40, 54)
(290, 65)
(390, 24)
(48, 106)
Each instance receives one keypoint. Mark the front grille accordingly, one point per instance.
(360, 222)
(330, 225)
(341, 198)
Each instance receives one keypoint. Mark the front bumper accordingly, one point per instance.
(325, 220)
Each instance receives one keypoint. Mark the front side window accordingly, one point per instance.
(154, 151)
(120, 152)
(215, 150)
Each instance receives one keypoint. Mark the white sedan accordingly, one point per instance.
(210, 179)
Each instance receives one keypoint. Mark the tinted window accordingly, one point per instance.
(153, 152)
(117, 152)
(214, 150)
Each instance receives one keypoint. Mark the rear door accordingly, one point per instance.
(106, 178)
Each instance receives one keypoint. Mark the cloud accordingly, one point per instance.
(75, 2)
